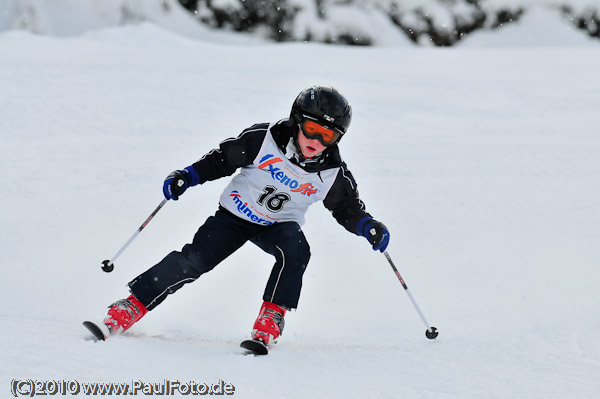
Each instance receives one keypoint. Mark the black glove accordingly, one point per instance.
(375, 232)
(177, 182)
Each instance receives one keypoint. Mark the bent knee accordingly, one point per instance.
(295, 251)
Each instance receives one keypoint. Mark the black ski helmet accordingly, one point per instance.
(326, 104)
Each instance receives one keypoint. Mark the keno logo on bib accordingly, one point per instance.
(267, 162)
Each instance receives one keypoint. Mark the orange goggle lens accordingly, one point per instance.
(313, 130)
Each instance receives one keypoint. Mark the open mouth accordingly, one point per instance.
(311, 149)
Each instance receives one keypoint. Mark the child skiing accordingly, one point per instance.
(284, 167)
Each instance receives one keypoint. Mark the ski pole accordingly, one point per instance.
(109, 265)
(431, 332)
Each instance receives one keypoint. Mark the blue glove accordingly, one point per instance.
(375, 232)
(177, 182)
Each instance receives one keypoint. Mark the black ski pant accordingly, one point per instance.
(220, 236)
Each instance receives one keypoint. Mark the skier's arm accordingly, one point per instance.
(347, 208)
(232, 154)
(343, 202)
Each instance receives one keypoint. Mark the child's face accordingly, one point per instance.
(309, 147)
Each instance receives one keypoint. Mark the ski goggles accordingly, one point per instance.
(312, 129)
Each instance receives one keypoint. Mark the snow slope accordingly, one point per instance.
(484, 164)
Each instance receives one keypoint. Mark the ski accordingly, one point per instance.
(95, 330)
(255, 347)
(252, 346)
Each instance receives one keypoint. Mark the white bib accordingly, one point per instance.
(272, 189)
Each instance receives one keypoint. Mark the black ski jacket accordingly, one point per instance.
(342, 200)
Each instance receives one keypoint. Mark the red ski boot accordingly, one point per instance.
(123, 314)
(267, 328)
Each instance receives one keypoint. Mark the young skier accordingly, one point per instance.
(285, 167)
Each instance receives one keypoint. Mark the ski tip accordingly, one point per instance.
(95, 330)
(255, 347)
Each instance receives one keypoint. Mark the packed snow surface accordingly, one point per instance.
(484, 164)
